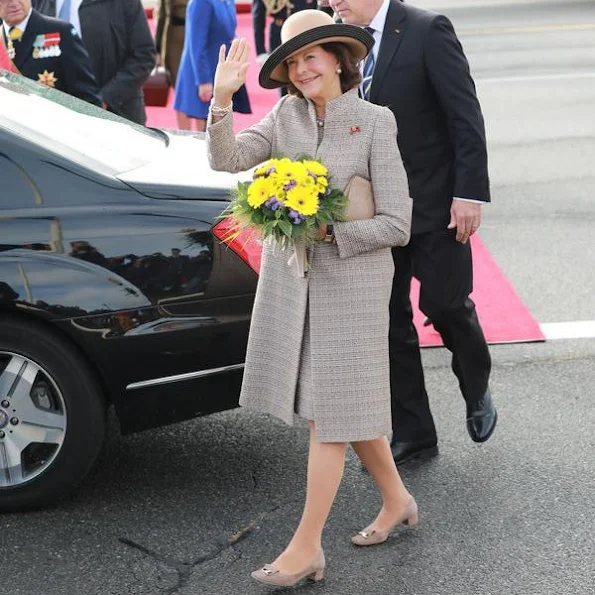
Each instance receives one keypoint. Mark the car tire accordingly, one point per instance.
(64, 409)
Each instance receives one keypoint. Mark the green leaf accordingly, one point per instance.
(285, 227)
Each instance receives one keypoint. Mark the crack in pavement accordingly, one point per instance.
(184, 569)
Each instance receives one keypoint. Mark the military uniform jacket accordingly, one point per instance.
(50, 51)
(119, 41)
(344, 297)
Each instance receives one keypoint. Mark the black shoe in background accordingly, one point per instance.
(407, 451)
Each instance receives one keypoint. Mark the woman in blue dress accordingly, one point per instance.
(209, 25)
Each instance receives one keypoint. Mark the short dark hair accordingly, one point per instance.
(350, 76)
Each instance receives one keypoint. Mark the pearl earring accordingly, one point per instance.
(339, 71)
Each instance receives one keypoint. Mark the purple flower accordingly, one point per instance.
(290, 185)
(295, 217)
(273, 203)
(270, 170)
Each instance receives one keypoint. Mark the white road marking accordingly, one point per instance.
(525, 29)
(536, 77)
(580, 329)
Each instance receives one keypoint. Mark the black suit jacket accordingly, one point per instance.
(422, 75)
(119, 41)
(70, 71)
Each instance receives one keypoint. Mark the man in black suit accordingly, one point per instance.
(119, 41)
(420, 72)
(47, 50)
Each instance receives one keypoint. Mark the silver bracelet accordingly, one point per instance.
(221, 111)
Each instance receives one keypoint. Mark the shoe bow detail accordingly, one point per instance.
(269, 570)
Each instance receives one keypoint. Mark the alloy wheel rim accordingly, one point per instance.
(33, 419)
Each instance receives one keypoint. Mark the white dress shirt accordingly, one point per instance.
(22, 25)
(74, 13)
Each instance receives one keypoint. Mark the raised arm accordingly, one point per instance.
(228, 152)
(391, 226)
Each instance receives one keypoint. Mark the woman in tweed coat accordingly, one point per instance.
(318, 343)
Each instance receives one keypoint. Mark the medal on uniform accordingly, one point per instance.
(10, 49)
(47, 78)
(47, 45)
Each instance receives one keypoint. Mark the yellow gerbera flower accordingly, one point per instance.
(259, 192)
(316, 168)
(303, 200)
(289, 170)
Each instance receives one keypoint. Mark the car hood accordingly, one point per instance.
(183, 171)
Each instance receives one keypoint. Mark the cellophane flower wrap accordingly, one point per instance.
(288, 200)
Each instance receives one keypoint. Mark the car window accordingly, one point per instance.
(18, 190)
(77, 130)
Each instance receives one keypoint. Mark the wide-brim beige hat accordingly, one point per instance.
(305, 29)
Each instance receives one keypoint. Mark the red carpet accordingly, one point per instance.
(504, 316)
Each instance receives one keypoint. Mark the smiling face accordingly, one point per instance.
(313, 72)
(14, 11)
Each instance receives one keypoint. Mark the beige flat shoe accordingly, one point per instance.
(269, 575)
(365, 538)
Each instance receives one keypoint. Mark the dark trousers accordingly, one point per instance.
(444, 268)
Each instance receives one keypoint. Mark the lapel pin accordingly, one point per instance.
(397, 30)
(354, 129)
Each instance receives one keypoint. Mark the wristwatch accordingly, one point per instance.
(330, 236)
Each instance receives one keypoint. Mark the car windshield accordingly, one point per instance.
(75, 129)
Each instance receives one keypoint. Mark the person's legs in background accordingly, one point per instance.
(445, 270)
(187, 123)
(414, 433)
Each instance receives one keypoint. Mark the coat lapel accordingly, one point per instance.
(24, 47)
(394, 29)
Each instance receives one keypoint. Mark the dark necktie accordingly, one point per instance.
(368, 69)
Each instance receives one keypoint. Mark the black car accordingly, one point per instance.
(119, 285)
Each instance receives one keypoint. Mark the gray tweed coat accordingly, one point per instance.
(344, 296)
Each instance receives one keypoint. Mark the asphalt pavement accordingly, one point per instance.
(193, 508)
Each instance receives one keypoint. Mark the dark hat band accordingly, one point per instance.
(359, 41)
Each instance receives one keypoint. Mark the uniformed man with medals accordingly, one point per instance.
(47, 50)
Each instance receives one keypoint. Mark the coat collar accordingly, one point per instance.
(394, 29)
(335, 106)
(23, 49)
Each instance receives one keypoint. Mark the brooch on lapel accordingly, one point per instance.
(354, 129)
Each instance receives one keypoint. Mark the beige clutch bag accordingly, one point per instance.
(361, 199)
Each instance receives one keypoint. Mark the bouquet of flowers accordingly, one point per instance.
(288, 200)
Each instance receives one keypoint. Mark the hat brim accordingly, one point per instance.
(273, 73)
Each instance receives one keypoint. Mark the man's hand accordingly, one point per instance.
(205, 92)
(466, 217)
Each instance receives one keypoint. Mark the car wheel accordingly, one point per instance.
(52, 416)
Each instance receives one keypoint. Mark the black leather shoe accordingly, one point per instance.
(406, 451)
(481, 418)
